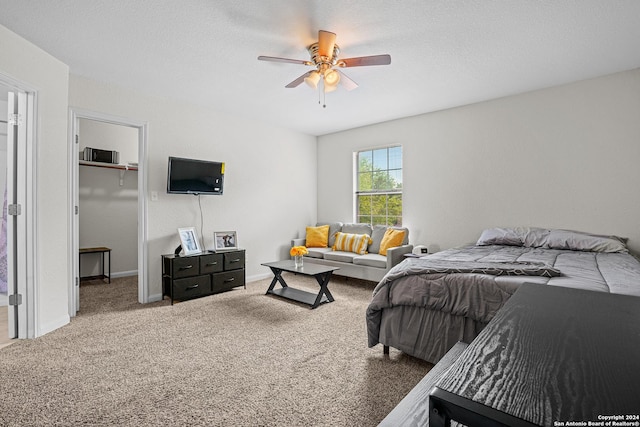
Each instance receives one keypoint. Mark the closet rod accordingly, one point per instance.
(3, 121)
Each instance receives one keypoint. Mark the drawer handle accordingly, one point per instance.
(211, 263)
(235, 260)
(192, 287)
(230, 280)
(186, 267)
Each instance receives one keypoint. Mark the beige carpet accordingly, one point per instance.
(240, 358)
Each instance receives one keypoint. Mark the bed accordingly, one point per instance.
(423, 306)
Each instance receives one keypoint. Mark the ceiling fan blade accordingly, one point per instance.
(297, 81)
(326, 42)
(346, 82)
(291, 61)
(365, 60)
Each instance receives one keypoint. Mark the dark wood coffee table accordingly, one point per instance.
(322, 273)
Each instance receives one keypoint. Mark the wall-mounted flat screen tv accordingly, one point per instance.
(191, 176)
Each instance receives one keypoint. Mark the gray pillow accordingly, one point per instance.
(376, 238)
(500, 236)
(554, 239)
(579, 241)
(359, 228)
(536, 237)
(531, 237)
(334, 227)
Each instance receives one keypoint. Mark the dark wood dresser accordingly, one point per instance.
(193, 276)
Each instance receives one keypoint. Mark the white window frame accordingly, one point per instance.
(386, 192)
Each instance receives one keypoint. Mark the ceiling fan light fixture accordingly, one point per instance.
(312, 79)
(325, 57)
(332, 78)
(329, 88)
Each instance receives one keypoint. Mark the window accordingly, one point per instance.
(379, 186)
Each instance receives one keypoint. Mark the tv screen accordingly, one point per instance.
(191, 176)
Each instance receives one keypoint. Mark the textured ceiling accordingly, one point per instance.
(444, 53)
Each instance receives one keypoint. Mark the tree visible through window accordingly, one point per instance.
(379, 187)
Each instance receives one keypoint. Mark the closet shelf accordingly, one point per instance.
(108, 165)
(121, 168)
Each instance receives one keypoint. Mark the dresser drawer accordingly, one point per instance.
(191, 287)
(211, 263)
(185, 267)
(233, 260)
(227, 280)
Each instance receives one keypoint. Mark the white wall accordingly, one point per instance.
(108, 210)
(565, 157)
(22, 61)
(270, 179)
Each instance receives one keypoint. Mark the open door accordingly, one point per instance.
(16, 224)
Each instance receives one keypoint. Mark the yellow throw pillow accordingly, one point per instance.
(391, 239)
(317, 237)
(347, 242)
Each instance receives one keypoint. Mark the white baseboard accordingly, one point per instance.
(52, 326)
(257, 277)
(124, 274)
(155, 298)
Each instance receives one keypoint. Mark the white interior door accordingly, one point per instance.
(16, 225)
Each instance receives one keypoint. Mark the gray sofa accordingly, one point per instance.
(371, 266)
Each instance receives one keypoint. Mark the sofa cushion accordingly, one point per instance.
(371, 260)
(341, 256)
(317, 237)
(318, 252)
(376, 238)
(334, 227)
(348, 242)
(393, 237)
(358, 228)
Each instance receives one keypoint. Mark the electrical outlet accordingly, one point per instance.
(154, 196)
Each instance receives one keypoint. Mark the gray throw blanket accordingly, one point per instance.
(432, 266)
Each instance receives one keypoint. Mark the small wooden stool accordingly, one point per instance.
(100, 250)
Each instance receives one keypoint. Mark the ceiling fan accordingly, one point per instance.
(324, 58)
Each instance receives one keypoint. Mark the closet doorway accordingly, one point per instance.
(108, 204)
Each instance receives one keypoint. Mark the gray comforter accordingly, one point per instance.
(424, 305)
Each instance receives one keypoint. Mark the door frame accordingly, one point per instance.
(25, 254)
(143, 281)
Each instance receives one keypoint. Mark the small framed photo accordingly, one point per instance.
(189, 240)
(225, 240)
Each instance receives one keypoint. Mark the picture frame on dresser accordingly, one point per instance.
(225, 241)
(189, 240)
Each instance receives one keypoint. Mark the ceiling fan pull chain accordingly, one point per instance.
(324, 95)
